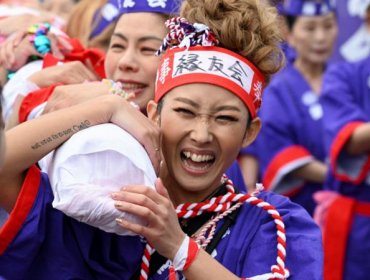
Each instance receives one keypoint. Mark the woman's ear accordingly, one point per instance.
(252, 132)
(151, 110)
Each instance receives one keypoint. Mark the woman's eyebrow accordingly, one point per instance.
(141, 39)
(120, 35)
(147, 38)
(219, 108)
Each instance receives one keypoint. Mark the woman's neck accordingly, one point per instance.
(312, 72)
(179, 195)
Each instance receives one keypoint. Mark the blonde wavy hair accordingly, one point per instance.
(80, 24)
(247, 27)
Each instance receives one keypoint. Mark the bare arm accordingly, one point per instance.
(29, 142)
(359, 143)
(314, 171)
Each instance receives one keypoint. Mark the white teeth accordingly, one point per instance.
(131, 86)
(198, 158)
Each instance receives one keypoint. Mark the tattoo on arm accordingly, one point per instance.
(66, 132)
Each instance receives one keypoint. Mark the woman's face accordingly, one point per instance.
(203, 128)
(131, 56)
(313, 37)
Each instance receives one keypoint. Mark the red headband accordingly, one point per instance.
(211, 65)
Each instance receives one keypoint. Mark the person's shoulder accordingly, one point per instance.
(344, 73)
(292, 214)
(283, 76)
(361, 67)
(281, 202)
(337, 67)
(347, 68)
(279, 84)
(274, 217)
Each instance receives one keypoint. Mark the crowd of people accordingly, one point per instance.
(182, 139)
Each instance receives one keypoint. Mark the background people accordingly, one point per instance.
(292, 155)
(344, 210)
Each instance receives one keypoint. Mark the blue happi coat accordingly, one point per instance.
(248, 248)
(346, 101)
(291, 135)
(39, 242)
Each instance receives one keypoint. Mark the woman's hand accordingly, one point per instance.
(74, 72)
(69, 95)
(16, 49)
(138, 125)
(162, 229)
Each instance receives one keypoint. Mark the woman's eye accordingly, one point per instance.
(184, 112)
(310, 28)
(117, 46)
(149, 51)
(328, 26)
(226, 118)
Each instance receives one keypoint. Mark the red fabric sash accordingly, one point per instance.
(336, 231)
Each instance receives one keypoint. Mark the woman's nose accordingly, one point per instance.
(201, 130)
(128, 61)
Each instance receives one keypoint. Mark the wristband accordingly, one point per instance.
(186, 254)
(37, 36)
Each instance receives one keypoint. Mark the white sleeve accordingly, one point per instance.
(19, 85)
(95, 162)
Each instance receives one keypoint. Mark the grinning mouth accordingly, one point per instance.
(197, 162)
(198, 157)
(128, 87)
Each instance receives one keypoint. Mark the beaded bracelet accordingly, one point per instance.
(38, 37)
(116, 88)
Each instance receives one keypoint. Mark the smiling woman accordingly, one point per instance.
(199, 152)
(18, 180)
(208, 90)
(205, 105)
(130, 59)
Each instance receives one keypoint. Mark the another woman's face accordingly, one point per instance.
(313, 37)
(203, 128)
(131, 56)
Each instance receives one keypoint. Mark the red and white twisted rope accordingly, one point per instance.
(222, 204)
(205, 235)
(175, 35)
(145, 260)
